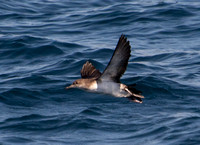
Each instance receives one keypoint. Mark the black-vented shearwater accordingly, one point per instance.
(109, 81)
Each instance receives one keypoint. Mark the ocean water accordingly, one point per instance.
(43, 45)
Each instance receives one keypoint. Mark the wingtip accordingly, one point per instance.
(87, 62)
(122, 36)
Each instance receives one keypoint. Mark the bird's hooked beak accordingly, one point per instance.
(71, 86)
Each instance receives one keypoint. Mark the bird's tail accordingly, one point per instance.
(135, 92)
(135, 95)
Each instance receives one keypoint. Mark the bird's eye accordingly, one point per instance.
(75, 83)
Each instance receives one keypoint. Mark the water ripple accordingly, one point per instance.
(43, 45)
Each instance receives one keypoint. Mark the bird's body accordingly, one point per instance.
(109, 81)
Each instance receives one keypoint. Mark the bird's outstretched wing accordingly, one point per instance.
(89, 71)
(119, 61)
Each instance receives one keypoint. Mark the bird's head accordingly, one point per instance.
(81, 83)
(77, 84)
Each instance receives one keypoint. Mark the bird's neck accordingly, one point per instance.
(90, 84)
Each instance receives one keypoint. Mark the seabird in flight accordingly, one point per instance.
(109, 81)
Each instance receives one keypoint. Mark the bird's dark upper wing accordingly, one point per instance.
(119, 61)
(89, 71)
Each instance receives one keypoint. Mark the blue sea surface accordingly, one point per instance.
(43, 45)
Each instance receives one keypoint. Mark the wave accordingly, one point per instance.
(44, 44)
